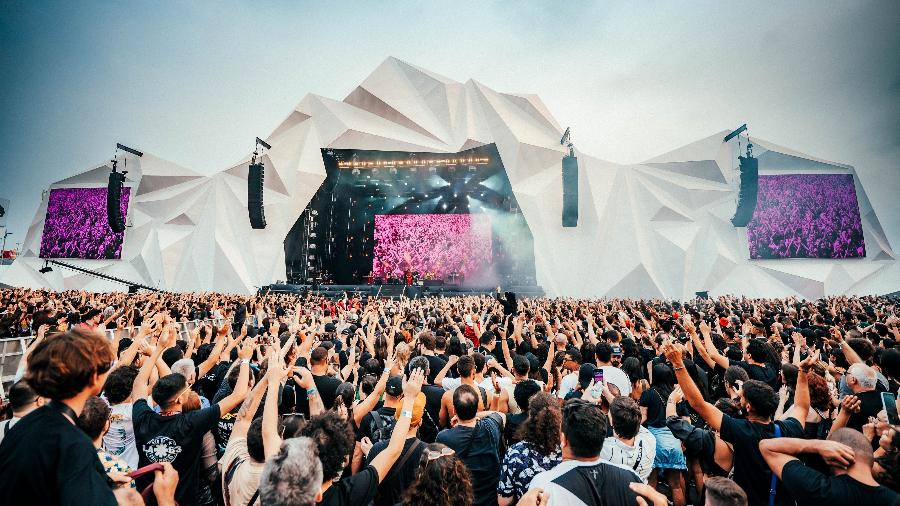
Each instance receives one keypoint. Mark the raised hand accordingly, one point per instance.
(851, 403)
(413, 385)
(836, 454)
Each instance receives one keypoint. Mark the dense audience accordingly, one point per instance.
(806, 216)
(288, 400)
(76, 225)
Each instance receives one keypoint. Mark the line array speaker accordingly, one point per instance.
(255, 208)
(748, 191)
(113, 202)
(570, 191)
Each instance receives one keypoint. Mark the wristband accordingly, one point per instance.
(311, 391)
(406, 413)
(678, 368)
(386, 371)
(245, 361)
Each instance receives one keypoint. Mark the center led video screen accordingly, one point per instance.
(76, 225)
(806, 216)
(434, 245)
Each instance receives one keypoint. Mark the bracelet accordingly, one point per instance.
(678, 368)
(406, 413)
(245, 361)
(386, 371)
(311, 391)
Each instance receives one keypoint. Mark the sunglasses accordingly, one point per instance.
(433, 455)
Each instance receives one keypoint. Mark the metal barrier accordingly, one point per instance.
(12, 348)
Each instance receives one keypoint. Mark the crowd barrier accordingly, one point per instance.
(12, 348)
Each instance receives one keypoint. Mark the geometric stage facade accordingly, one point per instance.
(656, 229)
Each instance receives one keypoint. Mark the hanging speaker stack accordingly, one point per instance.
(255, 179)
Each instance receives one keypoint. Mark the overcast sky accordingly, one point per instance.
(194, 82)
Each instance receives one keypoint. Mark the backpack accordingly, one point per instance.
(381, 426)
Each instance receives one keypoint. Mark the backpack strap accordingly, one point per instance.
(376, 417)
(227, 477)
(774, 482)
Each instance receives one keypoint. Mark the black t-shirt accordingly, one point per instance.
(756, 372)
(814, 488)
(435, 364)
(430, 427)
(751, 472)
(327, 387)
(869, 405)
(210, 383)
(479, 449)
(357, 490)
(513, 422)
(401, 475)
(45, 459)
(177, 439)
(656, 408)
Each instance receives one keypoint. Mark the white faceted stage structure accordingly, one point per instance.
(658, 229)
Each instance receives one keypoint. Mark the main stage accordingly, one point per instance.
(396, 291)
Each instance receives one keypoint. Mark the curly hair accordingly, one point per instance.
(541, 428)
(63, 365)
(819, 394)
(441, 481)
(335, 440)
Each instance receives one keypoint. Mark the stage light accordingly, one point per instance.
(393, 170)
(413, 169)
(375, 171)
(471, 168)
(315, 213)
(312, 257)
(355, 172)
(452, 169)
(312, 246)
(443, 206)
(432, 169)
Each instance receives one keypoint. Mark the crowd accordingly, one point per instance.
(302, 400)
(806, 216)
(440, 244)
(76, 225)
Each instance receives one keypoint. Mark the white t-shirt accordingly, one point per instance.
(567, 384)
(642, 453)
(119, 440)
(561, 496)
(8, 424)
(616, 376)
(243, 481)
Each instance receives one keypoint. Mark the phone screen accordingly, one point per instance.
(598, 376)
(889, 402)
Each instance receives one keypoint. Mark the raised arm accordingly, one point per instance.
(248, 410)
(276, 373)
(237, 395)
(800, 409)
(674, 352)
(141, 387)
(384, 460)
(779, 451)
(451, 361)
(368, 404)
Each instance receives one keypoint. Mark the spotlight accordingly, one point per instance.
(393, 170)
(312, 257)
(413, 169)
(452, 169)
(471, 168)
(312, 246)
(375, 170)
(46, 268)
(432, 169)
(355, 172)
(312, 235)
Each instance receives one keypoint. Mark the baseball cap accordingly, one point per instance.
(418, 410)
(394, 386)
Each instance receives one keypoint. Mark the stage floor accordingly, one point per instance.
(394, 291)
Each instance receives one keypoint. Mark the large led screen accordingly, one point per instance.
(434, 245)
(76, 225)
(806, 216)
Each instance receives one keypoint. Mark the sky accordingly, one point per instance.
(194, 82)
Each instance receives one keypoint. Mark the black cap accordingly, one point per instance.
(90, 313)
(330, 327)
(394, 386)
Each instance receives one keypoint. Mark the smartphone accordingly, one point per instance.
(144, 470)
(889, 402)
(598, 376)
